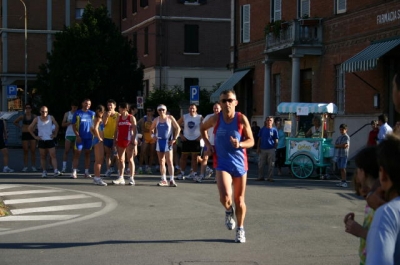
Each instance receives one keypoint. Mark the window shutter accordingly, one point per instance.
(246, 23)
(277, 10)
(305, 8)
(341, 6)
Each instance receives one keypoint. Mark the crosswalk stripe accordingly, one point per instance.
(7, 186)
(22, 192)
(56, 208)
(37, 218)
(44, 199)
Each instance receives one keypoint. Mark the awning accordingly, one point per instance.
(368, 58)
(228, 84)
(292, 107)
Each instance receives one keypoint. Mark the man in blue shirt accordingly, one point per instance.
(266, 146)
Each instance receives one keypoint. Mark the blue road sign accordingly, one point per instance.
(11, 91)
(194, 95)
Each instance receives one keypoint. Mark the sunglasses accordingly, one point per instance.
(230, 100)
(43, 111)
(161, 110)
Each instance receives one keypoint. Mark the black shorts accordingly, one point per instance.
(46, 144)
(189, 146)
(26, 136)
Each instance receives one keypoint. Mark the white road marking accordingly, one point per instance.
(8, 186)
(46, 199)
(56, 208)
(22, 192)
(38, 218)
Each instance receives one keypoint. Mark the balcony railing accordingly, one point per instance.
(303, 32)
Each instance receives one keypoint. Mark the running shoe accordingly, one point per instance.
(131, 181)
(230, 219)
(8, 170)
(342, 184)
(209, 173)
(73, 175)
(88, 176)
(63, 170)
(119, 181)
(180, 176)
(198, 178)
(24, 169)
(172, 183)
(112, 170)
(240, 236)
(107, 174)
(44, 174)
(34, 169)
(191, 175)
(57, 173)
(162, 183)
(98, 181)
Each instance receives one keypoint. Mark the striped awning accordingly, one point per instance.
(368, 58)
(292, 107)
(228, 84)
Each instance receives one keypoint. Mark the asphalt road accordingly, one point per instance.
(290, 221)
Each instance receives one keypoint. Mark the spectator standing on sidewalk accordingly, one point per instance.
(233, 136)
(384, 128)
(69, 134)
(190, 138)
(266, 146)
(373, 134)
(165, 130)
(255, 129)
(342, 146)
(82, 122)
(46, 136)
(110, 119)
(3, 147)
(281, 147)
(28, 141)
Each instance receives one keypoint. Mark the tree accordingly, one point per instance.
(92, 60)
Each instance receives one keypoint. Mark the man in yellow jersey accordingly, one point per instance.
(148, 147)
(110, 119)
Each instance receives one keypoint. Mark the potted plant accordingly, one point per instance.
(274, 27)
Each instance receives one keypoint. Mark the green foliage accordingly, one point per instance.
(175, 98)
(92, 60)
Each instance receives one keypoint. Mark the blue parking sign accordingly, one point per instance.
(195, 95)
(11, 91)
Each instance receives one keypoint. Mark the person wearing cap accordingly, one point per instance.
(342, 146)
(190, 138)
(165, 131)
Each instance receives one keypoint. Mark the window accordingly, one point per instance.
(340, 89)
(276, 10)
(191, 39)
(146, 88)
(144, 3)
(79, 13)
(146, 40)
(134, 6)
(341, 6)
(277, 84)
(304, 10)
(190, 82)
(124, 3)
(245, 23)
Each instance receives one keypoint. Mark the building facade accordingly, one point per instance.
(339, 51)
(26, 46)
(180, 43)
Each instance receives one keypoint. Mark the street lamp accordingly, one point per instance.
(26, 55)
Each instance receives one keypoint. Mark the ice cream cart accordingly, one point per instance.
(305, 154)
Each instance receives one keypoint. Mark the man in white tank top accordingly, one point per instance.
(190, 138)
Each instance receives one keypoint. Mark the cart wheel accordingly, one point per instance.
(302, 166)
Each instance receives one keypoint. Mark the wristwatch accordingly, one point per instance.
(240, 145)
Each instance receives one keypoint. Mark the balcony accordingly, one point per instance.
(306, 35)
